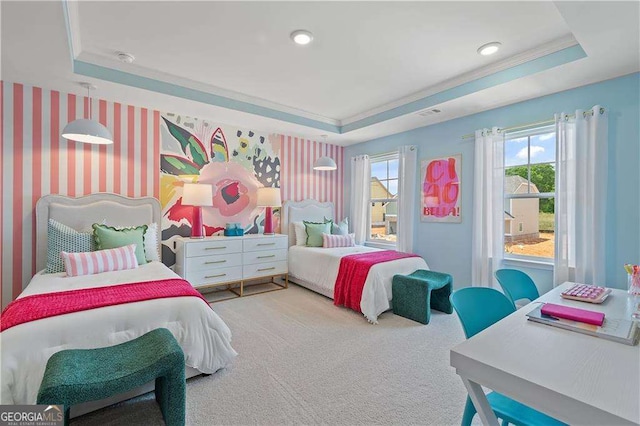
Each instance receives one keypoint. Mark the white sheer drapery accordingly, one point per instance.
(581, 196)
(487, 240)
(360, 190)
(407, 159)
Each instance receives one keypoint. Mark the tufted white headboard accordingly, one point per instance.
(296, 211)
(82, 212)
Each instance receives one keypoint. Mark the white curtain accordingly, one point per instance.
(408, 159)
(360, 189)
(581, 196)
(487, 240)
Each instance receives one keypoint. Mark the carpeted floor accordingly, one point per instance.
(304, 361)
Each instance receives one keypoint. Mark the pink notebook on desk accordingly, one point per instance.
(574, 314)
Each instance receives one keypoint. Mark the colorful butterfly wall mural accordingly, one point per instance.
(234, 161)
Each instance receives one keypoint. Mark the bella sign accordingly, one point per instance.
(441, 189)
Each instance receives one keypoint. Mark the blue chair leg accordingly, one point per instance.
(469, 412)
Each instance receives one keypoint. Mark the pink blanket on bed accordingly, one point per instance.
(39, 306)
(353, 272)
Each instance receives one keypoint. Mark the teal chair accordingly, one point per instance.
(517, 285)
(477, 309)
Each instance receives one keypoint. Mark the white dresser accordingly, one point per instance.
(217, 261)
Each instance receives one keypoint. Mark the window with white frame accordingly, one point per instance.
(383, 213)
(529, 192)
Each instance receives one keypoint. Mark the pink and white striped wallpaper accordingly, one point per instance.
(36, 161)
(299, 181)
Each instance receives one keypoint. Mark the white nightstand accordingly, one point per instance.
(218, 261)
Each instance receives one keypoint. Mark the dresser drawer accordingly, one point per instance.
(211, 247)
(213, 262)
(214, 276)
(270, 256)
(258, 244)
(264, 269)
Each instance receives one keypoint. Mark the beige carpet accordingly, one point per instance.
(304, 361)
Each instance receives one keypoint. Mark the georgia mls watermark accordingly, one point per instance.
(31, 415)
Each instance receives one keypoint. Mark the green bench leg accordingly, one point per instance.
(170, 395)
(440, 299)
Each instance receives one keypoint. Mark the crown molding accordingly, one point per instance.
(72, 19)
(519, 59)
(148, 73)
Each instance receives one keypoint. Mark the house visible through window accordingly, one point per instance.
(383, 220)
(529, 191)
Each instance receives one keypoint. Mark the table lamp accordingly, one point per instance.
(197, 195)
(269, 198)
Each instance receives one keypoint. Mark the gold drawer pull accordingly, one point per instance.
(266, 244)
(215, 276)
(214, 261)
(266, 257)
(266, 269)
(215, 248)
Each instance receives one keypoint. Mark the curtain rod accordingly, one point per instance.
(536, 123)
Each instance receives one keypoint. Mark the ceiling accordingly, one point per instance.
(370, 68)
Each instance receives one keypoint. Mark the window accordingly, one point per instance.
(529, 191)
(383, 217)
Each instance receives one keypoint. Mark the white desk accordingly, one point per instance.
(575, 378)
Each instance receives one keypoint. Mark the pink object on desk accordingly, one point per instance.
(574, 314)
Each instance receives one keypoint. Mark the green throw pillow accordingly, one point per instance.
(108, 237)
(60, 237)
(315, 230)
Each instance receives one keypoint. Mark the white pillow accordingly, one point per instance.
(300, 232)
(151, 243)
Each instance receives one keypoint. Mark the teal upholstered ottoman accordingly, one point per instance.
(415, 294)
(79, 375)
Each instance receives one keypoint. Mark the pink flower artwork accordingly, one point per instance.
(234, 193)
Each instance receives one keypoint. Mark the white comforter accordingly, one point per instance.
(319, 266)
(26, 348)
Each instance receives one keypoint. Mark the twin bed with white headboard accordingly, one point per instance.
(316, 268)
(203, 336)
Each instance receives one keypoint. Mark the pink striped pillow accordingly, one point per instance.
(94, 262)
(332, 241)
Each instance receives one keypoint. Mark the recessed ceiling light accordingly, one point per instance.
(127, 58)
(489, 48)
(301, 37)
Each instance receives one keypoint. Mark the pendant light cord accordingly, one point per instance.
(90, 103)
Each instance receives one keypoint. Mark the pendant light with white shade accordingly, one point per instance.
(324, 162)
(87, 130)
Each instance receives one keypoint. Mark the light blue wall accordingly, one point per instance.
(447, 247)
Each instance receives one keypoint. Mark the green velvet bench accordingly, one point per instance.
(80, 375)
(414, 295)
